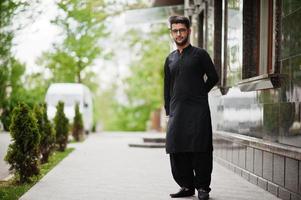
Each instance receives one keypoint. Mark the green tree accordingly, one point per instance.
(11, 70)
(83, 27)
(146, 81)
(7, 11)
(143, 87)
(105, 108)
(14, 91)
(61, 124)
(78, 128)
(36, 86)
(23, 153)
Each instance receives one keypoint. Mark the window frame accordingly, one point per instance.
(267, 71)
(254, 74)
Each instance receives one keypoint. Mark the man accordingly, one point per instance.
(189, 132)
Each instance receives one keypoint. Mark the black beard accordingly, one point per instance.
(181, 43)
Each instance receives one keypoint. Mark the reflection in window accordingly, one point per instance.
(210, 29)
(197, 31)
(234, 42)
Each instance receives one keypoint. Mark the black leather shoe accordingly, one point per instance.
(184, 192)
(203, 194)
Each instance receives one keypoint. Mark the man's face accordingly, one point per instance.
(180, 34)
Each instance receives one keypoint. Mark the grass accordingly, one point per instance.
(9, 190)
(73, 141)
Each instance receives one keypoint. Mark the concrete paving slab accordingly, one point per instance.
(104, 167)
(4, 142)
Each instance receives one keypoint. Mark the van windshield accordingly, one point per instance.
(68, 99)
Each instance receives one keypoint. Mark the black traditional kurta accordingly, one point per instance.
(186, 100)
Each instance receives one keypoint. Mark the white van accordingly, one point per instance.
(70, 93)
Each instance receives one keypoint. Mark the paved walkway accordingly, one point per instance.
(4, 142)
(105, 168)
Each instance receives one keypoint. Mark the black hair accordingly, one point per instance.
(177, 19)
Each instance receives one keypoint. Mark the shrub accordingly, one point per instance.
(78, 128)
(39, 118)
(23, 153)
(61, 124)
(47, 141)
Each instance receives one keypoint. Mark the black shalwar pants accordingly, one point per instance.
(192, 169)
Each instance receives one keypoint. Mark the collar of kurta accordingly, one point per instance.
(185, 49)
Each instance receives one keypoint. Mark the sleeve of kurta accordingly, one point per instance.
(212, 77)
(166, 87)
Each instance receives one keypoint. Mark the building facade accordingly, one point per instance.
(255, 108)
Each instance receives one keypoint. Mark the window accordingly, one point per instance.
(258, 50)
(248, 48)
(251, 38)
(204, 24)
(242, 37)
(233, 44)
(218, 42)
(197, 16)
(197, 34)
(210, 28)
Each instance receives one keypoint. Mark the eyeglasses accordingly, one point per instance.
(181, 30)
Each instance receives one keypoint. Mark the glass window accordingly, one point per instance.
(217, 57)
(258, 37)
(234, 42)
(196, 37)
(210, 29)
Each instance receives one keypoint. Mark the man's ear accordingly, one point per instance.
(189, 31)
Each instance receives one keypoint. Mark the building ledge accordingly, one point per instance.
(264, 81)
(280, 149)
